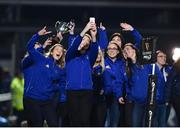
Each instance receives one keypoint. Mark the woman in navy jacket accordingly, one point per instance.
(161, 108)
(62, 97)
(111, 76)
(39, 84)
(80, 58)
(99, 106)
(122, 89)
(173, 88)
(138, 82)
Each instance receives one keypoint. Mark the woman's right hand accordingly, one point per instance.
(44, 32)
(47, 42)
(71, 31)
(121, 100)
(89, 25)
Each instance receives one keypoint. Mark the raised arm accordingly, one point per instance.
(28, 60)
(71, 36)
(137, 36)
(73, 48)
(34, 53)
(93, 52)
(103, 39)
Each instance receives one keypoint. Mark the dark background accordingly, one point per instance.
(19, 19)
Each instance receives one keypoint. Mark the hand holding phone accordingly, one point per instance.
(92, 19)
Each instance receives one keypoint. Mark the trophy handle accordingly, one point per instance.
(57, 26)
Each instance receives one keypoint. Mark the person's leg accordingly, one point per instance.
(16, 113)
(172, 120)
(176, 105)
(128, 114)
(168, 108)
(101, 114)
(109, 101)
(21, 117)
(49, 113)
(86, 107)
(74, 108)
(98, 113)
(59, 114)
(138, 115)
(114, 114)
(161, 117)
(155, 118)
(64, 115)
(33, 113)
(122, 122)
(93, 116)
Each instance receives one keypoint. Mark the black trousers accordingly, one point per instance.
(128, 113)
(176, 105)
(20, 116)
(63, 115)
(98, 113)
(79, 104)
(38, 111)
(122, 119)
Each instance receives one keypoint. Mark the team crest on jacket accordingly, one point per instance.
(47, 65)
(108, 67)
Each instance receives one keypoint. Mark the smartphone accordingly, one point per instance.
(92, 19)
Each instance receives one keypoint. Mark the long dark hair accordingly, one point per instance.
(129, 61)
(127, 67)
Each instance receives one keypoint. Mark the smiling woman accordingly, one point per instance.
(40, 70)
(80, 59)
(56, 51)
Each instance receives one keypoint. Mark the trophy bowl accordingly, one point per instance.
(63, 27)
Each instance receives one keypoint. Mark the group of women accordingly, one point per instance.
(96, 82)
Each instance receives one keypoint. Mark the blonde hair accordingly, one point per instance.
(87, 35)
(102, 60)
(61, 61)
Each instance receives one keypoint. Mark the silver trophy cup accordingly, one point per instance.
(63, 27)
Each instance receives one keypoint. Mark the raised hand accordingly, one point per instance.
(126, 27)
(101, 26)
(47, 42)
(121, 100)
(89, 26)
(93, 32)
(44, 32)
(59, 35)
(71, 31)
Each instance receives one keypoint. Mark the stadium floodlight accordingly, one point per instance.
(176, 54)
